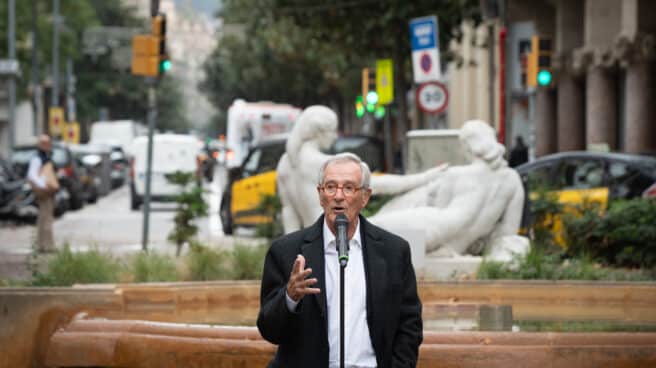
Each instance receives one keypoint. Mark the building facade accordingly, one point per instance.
(604, 67)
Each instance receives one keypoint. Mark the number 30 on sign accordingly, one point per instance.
(432, 97)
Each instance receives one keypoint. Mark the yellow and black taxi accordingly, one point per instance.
(581, 176)
(255, 179)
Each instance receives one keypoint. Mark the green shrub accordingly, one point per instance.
(68, 268)
(544, 207)
(624, 236)
(191, 206)
(539, 264)
(205, 264)
(153, 267)
(248, 261)
(376, 202)
(270, 206)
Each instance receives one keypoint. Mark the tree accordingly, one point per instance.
(307, 52)
(99, 83)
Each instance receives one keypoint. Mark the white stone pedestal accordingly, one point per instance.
(441, 268)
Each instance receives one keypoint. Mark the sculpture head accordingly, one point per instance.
(343, 187)
(316, 123)
(479, 140)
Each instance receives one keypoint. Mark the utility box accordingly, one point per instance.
(428, 148)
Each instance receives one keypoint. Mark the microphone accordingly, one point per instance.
(341, 223)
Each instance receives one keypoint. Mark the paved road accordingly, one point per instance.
(110, 225)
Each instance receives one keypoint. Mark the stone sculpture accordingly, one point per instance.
(298, 169)
(468, 209)
(461, 209)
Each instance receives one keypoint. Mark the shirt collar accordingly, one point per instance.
(329, 237)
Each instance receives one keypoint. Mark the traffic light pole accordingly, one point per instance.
(387, 135)
(152, 115)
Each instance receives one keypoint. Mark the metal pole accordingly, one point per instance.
(70, 91)
(341, 316)
(36, 88)
(12, 79)
(387, 134)
(152, 115)
(54, 100)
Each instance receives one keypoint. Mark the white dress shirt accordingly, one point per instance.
(359, 352)
(34, 172)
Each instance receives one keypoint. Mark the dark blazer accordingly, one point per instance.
(393, 307)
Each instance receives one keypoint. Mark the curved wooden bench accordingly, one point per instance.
(130, 343)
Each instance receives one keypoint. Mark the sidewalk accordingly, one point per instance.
(110, 226)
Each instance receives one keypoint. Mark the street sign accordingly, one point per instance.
(55, 121)
(425, 49)
(432, 97)
(72, 132)
(385, 81)
(9, 67)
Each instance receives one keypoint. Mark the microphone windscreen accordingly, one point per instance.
(341, 219)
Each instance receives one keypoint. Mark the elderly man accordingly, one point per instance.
(41, 176)
(299, 308)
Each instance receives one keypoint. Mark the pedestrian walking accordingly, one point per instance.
(519, 153)
(42, 178)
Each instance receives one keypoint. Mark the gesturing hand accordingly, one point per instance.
(298, 286)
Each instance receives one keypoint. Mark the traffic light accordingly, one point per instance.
(149, 57)
(359, 107)
(372, 95)
(145, 59)
(159, 30)
(538, 63)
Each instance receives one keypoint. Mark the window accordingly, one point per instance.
(580, 174)
(539, 178)
(250, 166)
(270, 156)
(627, 181)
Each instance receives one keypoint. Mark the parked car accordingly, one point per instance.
(17, 199)
(120, 170)
(67, 170)
(12, 190)
(171, 153)
(580, 176)
(96, 159)
(256, 177)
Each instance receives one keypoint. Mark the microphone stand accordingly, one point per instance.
(341, 223)
(342, 266)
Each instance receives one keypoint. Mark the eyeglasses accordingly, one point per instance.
(347, 189)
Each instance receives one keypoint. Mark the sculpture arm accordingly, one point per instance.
(394, 184)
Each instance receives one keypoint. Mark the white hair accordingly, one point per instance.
(348, 157)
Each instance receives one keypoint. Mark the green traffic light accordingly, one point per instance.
(165, 65)
(371, 107)
(372, 98)
(380, 112)
(544, 77)
(359, 110)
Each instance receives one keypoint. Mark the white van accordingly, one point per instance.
(171, 153)
(116, 133)
(251, 122)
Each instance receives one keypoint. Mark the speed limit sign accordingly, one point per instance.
(432, 97)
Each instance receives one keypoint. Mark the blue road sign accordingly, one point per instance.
(423, 33)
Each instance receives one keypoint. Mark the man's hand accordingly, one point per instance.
(298, 286)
